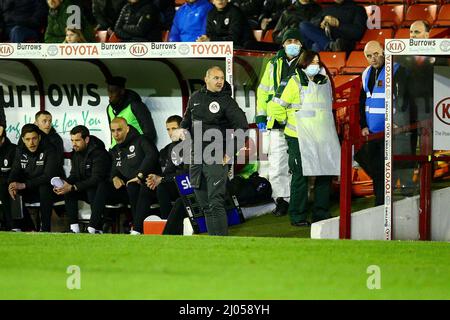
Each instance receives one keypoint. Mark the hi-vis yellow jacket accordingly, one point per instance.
(283, 106)
(268, 85)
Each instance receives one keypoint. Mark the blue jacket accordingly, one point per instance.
(190, 21)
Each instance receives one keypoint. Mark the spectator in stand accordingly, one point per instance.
(139, 20)
(7, 153)
(22, 20)
(165, 184)
(134, 158)
(36, 162)
(128, 104)
(190, 21)
(88, 180)
(226, 22)
(336, 28)
(272, 11)
(420, 29)
(59, 19)
(74, 36)
(166, 9)
(252, 9)
(106, 13)
(301, 10)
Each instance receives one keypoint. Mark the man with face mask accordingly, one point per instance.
(277, 70)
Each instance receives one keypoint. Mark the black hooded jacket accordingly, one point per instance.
(352, 20)
(139, 110)
(106, 12)
(91, 166)
(24, 13)
(135, 155)
(7, 154)
(35, 168)
(230, 24)
(139, 22)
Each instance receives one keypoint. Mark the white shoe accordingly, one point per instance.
(16, 230)
(134, 233)
(94, 231)
(75, 228)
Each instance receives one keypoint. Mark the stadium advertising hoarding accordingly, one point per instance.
(417, 50)
(38, 76)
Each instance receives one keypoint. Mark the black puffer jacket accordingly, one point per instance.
(139, 22)
(35, 168)
(106, 12)
(7, 154)
(292, 16)
(135, 155)
(91, 166)
(352, 20)
(230, 24)
(25, 13)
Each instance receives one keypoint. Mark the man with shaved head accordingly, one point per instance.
(420, 29)
(134, 158)
(372, 111)
(213, 110)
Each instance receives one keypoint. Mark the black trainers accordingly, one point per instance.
(281, 208)
(338, 45)
(302, 223)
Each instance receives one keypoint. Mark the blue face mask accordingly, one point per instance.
(292, 49)
(312, 70)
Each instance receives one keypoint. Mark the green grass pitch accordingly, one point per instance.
(34, 266)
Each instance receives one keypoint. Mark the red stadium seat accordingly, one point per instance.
(402, 33)
(356, 63)
(268, 36)
(334, 61)
(443, 18)
(374, 34)
(165, 35)
(439, 32)
(341, 79)
(391, 15)
(415, 12)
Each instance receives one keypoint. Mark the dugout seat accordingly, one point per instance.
(334, 61)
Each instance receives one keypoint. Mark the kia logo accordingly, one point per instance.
(395, 46)
(442, 110)
(138, 50)
(6, 50)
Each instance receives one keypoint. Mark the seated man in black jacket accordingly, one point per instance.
(43, 119)
(88, 180)
(165, 185)
(226, 22)
(22, 20)
(139, 20)
(336, 28)
(134, 157)
(34, 165)
(7, 153)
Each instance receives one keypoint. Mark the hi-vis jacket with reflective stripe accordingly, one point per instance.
(375, 100)
(282, 108)
(269, 84)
